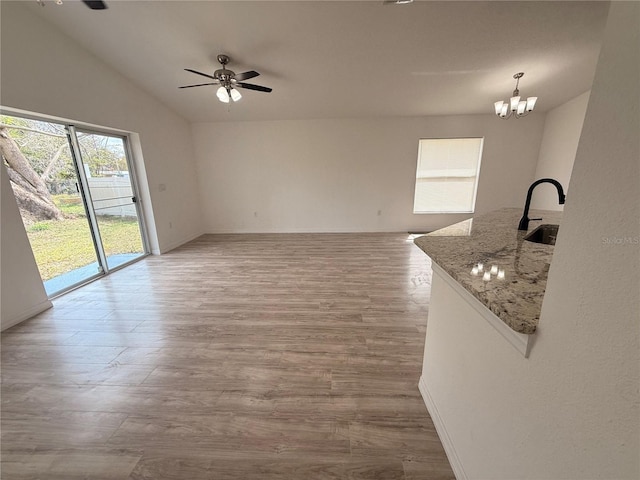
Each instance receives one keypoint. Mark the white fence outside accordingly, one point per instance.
(112, 196)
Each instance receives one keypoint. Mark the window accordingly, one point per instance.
(447, 175)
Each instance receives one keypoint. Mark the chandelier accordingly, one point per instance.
(515, 107)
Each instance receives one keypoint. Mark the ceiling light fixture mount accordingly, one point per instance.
(515, 107)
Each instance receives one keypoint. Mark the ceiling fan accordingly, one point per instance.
(229, 81)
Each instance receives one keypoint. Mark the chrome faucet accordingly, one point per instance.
(524, 221)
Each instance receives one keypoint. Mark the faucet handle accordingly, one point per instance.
(536, 218)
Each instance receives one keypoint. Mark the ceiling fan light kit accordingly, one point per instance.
(223, 94)
(515, 106)
(229, 81)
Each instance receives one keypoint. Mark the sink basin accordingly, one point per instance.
(543, 234)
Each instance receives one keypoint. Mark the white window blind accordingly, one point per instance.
(447, 175)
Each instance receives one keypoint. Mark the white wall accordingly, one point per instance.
(591, 310)
(562, 129)
(23, 293)
(45, 72)
(335, 175)
(572, 409)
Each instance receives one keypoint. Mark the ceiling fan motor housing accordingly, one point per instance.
(224, 75)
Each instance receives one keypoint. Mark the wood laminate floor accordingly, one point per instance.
(233, 357)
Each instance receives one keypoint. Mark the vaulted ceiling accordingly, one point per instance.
(330, 59)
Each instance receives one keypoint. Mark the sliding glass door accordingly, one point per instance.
(76, 194)
(113, 200)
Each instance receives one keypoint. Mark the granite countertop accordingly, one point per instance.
(494, 239)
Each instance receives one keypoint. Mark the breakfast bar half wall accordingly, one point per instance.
(488, 284)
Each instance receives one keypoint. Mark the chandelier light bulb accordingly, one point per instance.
(514, 103)
(516, 106)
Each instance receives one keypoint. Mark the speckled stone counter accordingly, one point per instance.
(494, 239)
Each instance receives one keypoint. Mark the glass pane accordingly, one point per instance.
(444, 195)
(44, 181)
(105, 165)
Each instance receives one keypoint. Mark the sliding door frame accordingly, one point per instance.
(71, 129)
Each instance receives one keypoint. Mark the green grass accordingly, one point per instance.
(39, 227)
(70, 205)
(64, 245)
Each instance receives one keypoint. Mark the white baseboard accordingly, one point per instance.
(27, 314)
(449, 448)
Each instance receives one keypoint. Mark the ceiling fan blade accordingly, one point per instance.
(246, 75)
(200, 85)
(200, 73)
(95, 4)
(251, 86)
